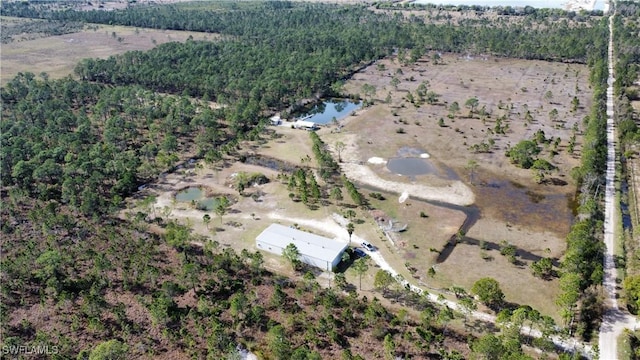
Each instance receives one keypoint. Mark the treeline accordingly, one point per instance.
(299, 27)
(528, 11)
(31, 29)
(90, 146)
(627, 72)
(627, 69)
(328, 166)
(582, 267)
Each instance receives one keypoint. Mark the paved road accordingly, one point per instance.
(615, 320)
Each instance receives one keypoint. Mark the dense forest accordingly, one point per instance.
(73, 149)
(269, 59)
(89, 146)
(12, 30)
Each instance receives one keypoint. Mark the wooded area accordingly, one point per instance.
(72, 150)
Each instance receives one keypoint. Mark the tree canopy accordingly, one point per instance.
(488, 291)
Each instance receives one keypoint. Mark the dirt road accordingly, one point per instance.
(332, 226)
(615, 320)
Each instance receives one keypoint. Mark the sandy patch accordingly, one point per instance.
(376, 160)
(455, 192)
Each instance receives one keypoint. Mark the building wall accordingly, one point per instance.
(305, 258)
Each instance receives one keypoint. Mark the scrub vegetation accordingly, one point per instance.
(85, 270)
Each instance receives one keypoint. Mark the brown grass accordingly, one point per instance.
(536, 222)
(536, 218)
(58, 55)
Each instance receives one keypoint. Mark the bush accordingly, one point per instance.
(522, 154)
(488, 290)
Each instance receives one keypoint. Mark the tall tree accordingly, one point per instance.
(292, 254)
(383, 280)
(360, 266)
(350, 230)
(222, 207)
(471, 167)
(339, 146)
(206, 219)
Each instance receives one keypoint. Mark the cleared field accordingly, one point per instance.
(510, 206)
(58, 55)
(514, 208)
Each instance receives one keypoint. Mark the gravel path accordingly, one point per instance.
(614, 320)
(331, 225)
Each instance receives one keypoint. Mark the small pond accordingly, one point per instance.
(189, 194)
(410, 166)
(208, 204)
(519, 204)
(194, 194)
(335, 108)
(413, 162)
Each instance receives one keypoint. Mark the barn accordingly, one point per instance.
(315, 250)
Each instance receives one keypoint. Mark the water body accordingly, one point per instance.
(410, 166)
(190, 194)
(325, 112)
(517, 204)
(197, 195)
(208, 204)
(540, 4)
(410, 162)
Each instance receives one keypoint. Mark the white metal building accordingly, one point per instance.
(314, 250)
(306, 125)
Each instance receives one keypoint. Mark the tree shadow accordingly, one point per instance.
(490, 246)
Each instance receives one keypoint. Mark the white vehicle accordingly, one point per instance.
(368, 246)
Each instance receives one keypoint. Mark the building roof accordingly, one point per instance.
(304, 123)
(308, 244)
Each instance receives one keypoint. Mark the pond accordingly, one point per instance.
(413, 162)
(518, 204)
(411, 166)
(208, 204)
(189, 194)
(194, 194)
(325, 112)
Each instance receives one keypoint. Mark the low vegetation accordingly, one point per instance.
(77, 276)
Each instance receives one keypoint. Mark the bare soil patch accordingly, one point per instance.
(58, 55)
(514, 208)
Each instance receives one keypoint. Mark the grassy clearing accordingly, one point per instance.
(58, 55)
(536, 219)
(535, 231)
